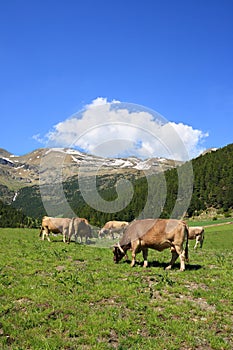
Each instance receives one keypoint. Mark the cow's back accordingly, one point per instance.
(153, 230)
(136, 229)
(195, 231)
(55, 224)
(165, 232)
(108, 225)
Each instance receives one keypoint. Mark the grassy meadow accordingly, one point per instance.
(59, 296)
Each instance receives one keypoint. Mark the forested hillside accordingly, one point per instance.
(212, 187)
(213, 180)
(11, 217)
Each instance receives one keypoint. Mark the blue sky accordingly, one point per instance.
(174, 57)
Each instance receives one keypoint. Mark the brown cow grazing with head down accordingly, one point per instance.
(197, 233)
(55, 225)
(157, 234)
(112, 227)
(80, 227)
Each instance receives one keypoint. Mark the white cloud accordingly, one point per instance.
(121, 129)
(100, 101)
(192, 138)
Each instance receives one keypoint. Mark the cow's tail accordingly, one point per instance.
(186, 249)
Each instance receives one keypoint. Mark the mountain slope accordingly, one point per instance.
(17, 172)
(212, 187)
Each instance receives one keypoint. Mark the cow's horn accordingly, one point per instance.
(119, 246)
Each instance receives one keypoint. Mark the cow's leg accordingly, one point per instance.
(64, 237)
(69, 238)
(135, 246)
(201, 240)
(42, 234)
(45, 233)
(182, 261)
(64, 233)
(145, 255)
(75, 237)
(173, 259)
(69, 234)
(181, 253)
(133, 258)
(196, 243)
(177, 251)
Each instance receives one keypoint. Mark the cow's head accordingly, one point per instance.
(102, 232)
(118, 253)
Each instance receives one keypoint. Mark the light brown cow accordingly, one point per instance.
(112, 227)
(80, 227)
(197, 233)
(157, 234)
(55, 225)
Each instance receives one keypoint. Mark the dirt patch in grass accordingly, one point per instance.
(195, 286)
(113, 339)
(60, 268)
(200, 302)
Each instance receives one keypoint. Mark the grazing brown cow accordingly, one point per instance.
(157, 234)
(55, 225)
(79, 227)
(112, 227)
(197, 233)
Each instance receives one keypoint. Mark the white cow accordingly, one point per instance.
(197, 233)
(55, 225)
(112, 227)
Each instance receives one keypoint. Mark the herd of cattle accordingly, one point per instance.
(137, 236)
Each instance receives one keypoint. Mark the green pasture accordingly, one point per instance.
(59, 296)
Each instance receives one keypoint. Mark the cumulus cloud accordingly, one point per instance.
(115, 129)
(192, 138)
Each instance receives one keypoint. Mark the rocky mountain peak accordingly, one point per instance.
(21, 171)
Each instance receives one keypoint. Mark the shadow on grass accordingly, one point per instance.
(72, 242)
(163, 265)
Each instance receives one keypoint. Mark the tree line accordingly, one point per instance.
(11, 217)
(212, 186)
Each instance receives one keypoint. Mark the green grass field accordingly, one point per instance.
(58, 296)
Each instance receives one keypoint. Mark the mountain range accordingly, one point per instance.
(27, 182)
(34, 168)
